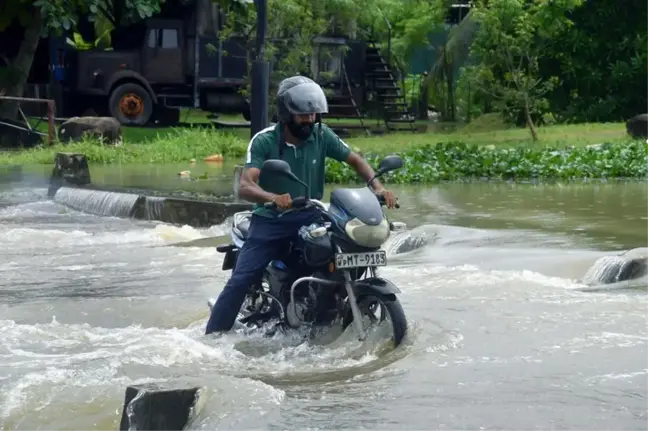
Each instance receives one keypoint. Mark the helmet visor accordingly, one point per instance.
(306, 98)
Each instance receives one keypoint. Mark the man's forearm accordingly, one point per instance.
(365, 170)
(252, 192)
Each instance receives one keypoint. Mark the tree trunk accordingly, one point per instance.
(424, 97)
(21, 65)
(529, 120)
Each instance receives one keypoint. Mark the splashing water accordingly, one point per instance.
(89, 305)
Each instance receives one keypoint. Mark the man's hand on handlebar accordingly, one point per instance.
(388, 198)
(283, 202)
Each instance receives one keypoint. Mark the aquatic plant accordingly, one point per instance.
(451, 161)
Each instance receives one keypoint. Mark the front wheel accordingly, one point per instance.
(369, 305)
(131, 104)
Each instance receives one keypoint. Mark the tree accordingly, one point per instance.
(450, 56)
(294, 23)
(40, 17)
(602, 62)
(510, 41)
(412, 21)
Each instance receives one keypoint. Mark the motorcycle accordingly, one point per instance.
(328, 274)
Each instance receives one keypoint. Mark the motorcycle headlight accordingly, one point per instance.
(366, 235)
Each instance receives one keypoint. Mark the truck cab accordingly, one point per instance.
(156, 67)
(164, 54)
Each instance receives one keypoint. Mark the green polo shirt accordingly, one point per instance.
(306, 161)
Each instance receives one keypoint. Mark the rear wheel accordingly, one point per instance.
(377, 308)
(259, 308)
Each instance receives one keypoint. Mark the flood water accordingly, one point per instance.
(502, 335)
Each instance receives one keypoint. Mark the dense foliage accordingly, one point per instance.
(511, 39)
(577, 61)
(601, 60)
(458, 161)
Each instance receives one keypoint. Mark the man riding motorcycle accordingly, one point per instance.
(297, 140)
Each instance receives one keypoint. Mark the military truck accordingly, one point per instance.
(157, 66)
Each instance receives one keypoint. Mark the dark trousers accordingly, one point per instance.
(267, 237)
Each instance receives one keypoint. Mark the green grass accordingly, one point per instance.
(486, 148)
(175, 146)
(552, 136)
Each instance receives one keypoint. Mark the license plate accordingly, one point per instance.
(355, 260)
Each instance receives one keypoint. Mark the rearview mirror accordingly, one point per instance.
(277, 166)
(390, 163)
(281, 167)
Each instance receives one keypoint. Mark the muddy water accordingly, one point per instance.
(501, 335)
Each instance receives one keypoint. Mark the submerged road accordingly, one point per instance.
(501, 337)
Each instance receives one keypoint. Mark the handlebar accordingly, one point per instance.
(299, 202)
(302, 202)
(381, 199)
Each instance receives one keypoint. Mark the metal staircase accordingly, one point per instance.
(383, 88)
(342, 104)
(373, 88)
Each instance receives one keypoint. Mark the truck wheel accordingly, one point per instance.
(131, 104)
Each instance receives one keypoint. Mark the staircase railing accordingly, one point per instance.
(352, 97)
(387, 57)
(389, 34)
(389, 31)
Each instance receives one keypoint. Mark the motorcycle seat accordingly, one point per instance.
(242, 225)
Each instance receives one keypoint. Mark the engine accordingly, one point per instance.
(314, 246)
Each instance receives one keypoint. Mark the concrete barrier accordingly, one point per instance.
(69, 169)
(150, 407)
(72, 172)
(196, 213)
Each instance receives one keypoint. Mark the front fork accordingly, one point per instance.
(355, 311)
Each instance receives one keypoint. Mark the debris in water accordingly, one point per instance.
(214, 158)
(153, 408)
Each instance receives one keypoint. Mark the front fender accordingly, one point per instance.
(133, 77)
(374, 286)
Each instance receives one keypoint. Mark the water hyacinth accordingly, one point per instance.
(451, 161)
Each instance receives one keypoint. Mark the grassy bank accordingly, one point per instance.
(562, 152)
(579, 135)
(174, 146)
